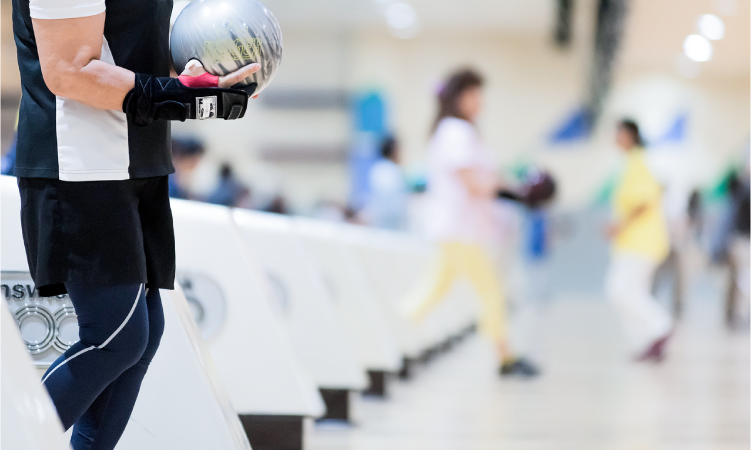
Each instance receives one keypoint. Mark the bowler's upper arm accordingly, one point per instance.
(68, 34)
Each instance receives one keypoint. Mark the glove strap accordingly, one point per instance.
(164, 98)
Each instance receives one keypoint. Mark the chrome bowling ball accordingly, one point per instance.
(225, 35)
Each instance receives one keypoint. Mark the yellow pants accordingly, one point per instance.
(455, 260)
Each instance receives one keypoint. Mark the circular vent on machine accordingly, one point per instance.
(66, 328)
(206, 301)
(37, 327)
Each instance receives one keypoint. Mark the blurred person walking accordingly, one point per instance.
(538, 243)
(640, 243)
(672, 271)
(386, 206)
(695, 211)
(8, 160)
(726, 245)
(230, 191)
(462, 188)
(277, 205)
(738, 310)
(186, 154)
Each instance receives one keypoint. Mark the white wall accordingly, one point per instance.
(531, 87)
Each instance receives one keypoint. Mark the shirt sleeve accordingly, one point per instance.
(457, 142)
(65, 9)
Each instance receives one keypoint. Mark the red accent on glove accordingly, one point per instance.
(203, 80)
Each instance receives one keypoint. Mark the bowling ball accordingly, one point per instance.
(539, 187)
(225, 35)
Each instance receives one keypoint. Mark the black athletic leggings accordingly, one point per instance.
(94, 384)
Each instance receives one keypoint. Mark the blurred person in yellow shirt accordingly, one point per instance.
(640, 243)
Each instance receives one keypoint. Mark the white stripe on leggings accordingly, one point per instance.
(112, 336)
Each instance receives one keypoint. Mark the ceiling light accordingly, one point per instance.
(711, 27)
(405, 33)
(400, 16)
(697, 48)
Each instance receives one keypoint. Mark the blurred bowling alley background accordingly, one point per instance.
(326, 177)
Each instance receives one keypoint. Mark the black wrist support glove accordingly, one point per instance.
(164, 98)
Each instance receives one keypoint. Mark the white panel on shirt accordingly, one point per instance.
(65, 9)
(92, 143)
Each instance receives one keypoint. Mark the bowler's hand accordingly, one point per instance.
(194, 68)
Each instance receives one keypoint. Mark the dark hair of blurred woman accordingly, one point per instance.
(450, 95)
(628, 135)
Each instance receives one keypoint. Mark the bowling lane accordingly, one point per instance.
(589, 397)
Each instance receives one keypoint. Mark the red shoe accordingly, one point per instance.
(656, 351)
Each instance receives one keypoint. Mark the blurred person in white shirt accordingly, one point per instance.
(461, 195)
(386, 206)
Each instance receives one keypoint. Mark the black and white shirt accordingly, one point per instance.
(67, 140)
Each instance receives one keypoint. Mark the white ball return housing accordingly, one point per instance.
(365, 320)
(268, 386)
(182, 403)
(304, 307)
